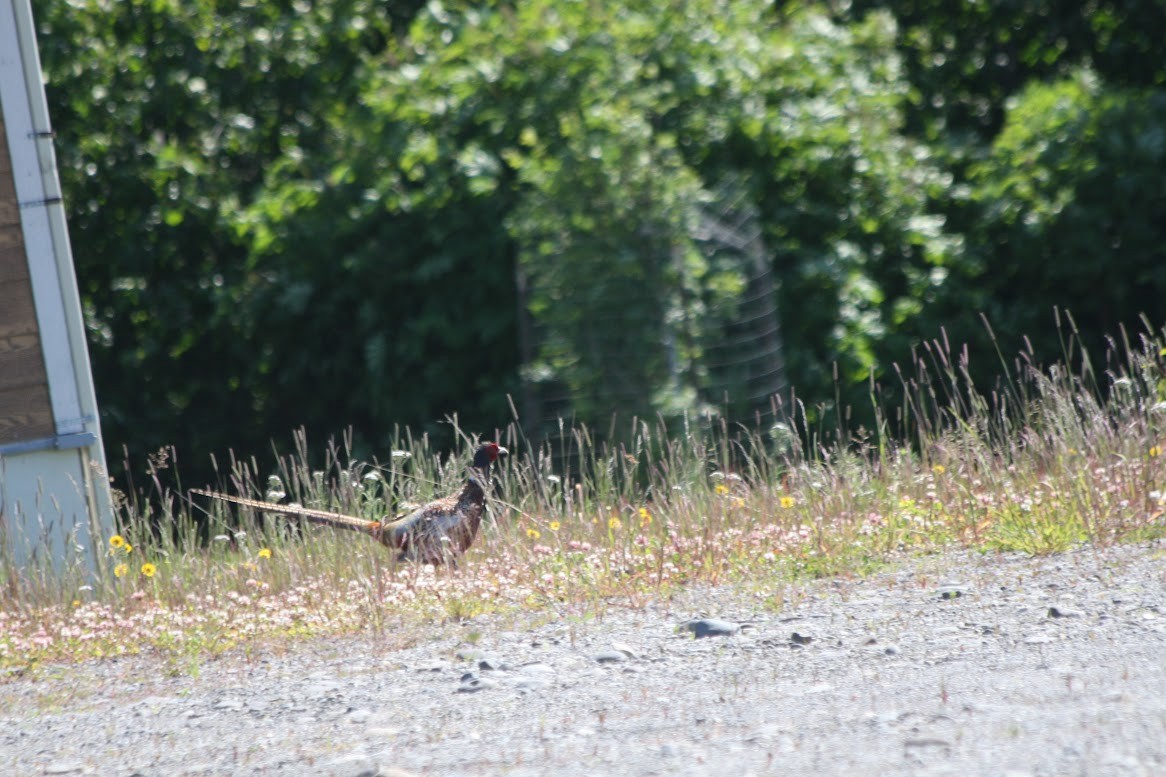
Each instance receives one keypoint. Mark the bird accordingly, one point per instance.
(436, 533)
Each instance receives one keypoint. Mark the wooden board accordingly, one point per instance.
(25, 409)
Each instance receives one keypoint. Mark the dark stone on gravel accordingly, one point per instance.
(799, 639)
(952, 590)
(475, 684)
(610, 657)
(491, 664)
(711, 627)
(1056, 612)
(538, 669)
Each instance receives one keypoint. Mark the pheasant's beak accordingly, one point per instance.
(502, 451)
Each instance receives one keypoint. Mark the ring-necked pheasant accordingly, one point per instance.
(436, 533)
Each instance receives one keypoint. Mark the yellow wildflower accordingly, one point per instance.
(614, 523)
(533, 534)
(787, 502)
(721, 489)
(645, 516)
(1155, 451)
(939, 469)
(149, 569)
(127, 548)
(554, 525)
(121, 570)
(738, 502)
(265, 553)
(117, 541)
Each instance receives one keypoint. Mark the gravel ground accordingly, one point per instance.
(948, 665)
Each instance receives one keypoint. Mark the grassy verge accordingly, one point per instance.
(1050, 459)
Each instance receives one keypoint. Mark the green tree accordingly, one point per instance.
(573, 144)
(168, 115)
(1070, 203)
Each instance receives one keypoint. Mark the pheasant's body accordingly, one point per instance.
(439, 531)
(436, 533)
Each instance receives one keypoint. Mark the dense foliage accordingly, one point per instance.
(334, 214)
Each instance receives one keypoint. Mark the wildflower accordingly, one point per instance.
(738, 502)
(1155, 451)
(76, 602)
(117, 542)
(127, 548)
(265, 553)
(149, 569)
(645, 516)
(121, 570)
(614, 523)
(533, 534)
(554, 525)
(787, 502)
(939, 469)
(721, 489)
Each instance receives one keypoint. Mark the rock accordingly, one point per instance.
(952, 590)
(474, 684)
(710, 627)
(1055, 612)
(610, 657)
(537, 669)
(358, 716)
(529, 684)
(491, 664)
(63, 767)
(799, 639)
(626, 649)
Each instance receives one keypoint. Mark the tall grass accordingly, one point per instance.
(1044, 460)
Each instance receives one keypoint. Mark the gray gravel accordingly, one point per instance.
(953, 665)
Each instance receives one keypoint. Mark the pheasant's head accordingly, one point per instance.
(485, 455)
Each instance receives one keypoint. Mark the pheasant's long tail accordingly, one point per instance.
(323, 517)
